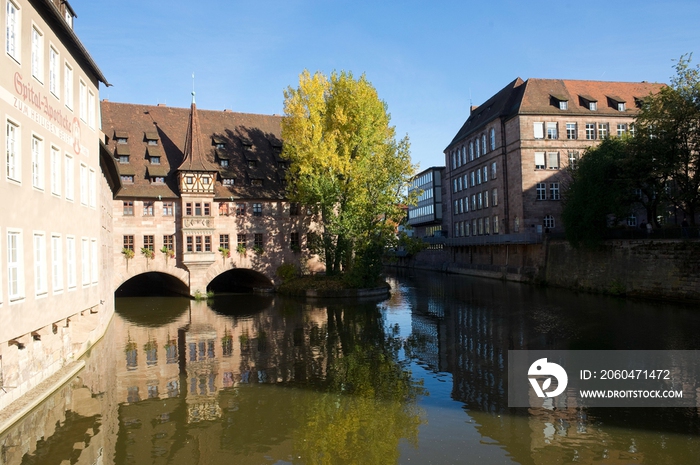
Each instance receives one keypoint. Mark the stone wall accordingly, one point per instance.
(657, 269)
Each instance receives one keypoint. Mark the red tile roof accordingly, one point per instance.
(171, 125)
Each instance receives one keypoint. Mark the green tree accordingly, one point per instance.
(346, 163)
(598, 194)
(668, 134)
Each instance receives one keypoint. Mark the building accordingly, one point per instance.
(203, 198)
(55, 290)
(426, 215)
(506, 166)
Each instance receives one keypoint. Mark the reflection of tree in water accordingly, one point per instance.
(368, 402)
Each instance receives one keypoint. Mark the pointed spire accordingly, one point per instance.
(195, 159)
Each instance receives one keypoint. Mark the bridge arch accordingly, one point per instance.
(233, 279)
(170, 279)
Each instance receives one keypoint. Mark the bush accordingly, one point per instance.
(287, 272)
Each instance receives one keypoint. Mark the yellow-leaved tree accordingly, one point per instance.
(345, 162)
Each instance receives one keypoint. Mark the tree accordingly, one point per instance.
(347, 164)
(598, 194)
(668, 131)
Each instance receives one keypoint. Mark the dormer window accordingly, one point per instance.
(560, 101)
(252, 163)
(151, 137)
(122, 140)
(223, 163)
(256, 182)
(152, 142)
(228, 181)
(593, 106)
(220, 145)
(589, 102)
(563, 105)
(620, 106)
(158, 179)
(123, 159)
(617, 103)
(69, 18)
(155, 160)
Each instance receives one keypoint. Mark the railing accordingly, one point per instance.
(492, 239)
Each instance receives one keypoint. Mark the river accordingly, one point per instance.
(419, 378)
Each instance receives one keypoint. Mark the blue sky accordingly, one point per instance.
(427, 59)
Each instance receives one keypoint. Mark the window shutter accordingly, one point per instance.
(539, 158)
(539, 130)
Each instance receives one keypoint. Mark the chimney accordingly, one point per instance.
(162, 105)
(472, 108)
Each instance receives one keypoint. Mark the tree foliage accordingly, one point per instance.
(599, 193)
(668, 136)
(346, 163)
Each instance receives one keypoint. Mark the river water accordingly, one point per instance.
(419, 378)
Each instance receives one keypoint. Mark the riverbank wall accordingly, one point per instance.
(658, 269)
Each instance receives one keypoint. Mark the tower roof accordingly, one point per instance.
(194, 157)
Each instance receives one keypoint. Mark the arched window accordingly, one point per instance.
(549, 221)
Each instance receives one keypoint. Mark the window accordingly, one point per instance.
(620, 106)
(461, 205)
(602, 130)
(148, 208)
(478, 176)
(473, 179)
(487, 226)
(158, 179)
(478, 149)
(129, 242)
(198, 243)
(563, 105)
(539, 130)
(56, 263)
(128, 208)
(464, 155)
(252, 163)
(483, 144)
(37, 163)
(92, 188)
(14, 164)
(590, 131)
(486, 199)
(155, 160)
(495, 224)
(485, 174)
(454, 161)
(553, 160)
(466, 185)
(456, 208)
(621, 130)
(207, 209)
(593, 106)
(294, 241)
(55, 171)
(82, 100)
(573, 159)
(68, 86)
(454, 185)
(121, 140)
(459, 158)
(541, 191)
(571, 130)
(258, 240)
(223, 241)
(471, 151)
(53, 71)
(123, 159)
(169, 242)
(83, 184)
(37, 54)
(190, 246)
(70, 261)
(493, 170)
(548, 222)
(293, 209)
(85, 261)
(223, 163)
(70, 176)
(91, 110)
(481, 200)
(188, 209)
(473, 202)
(492, 136)
(494, 197)
(197, 209)
(168, 209)
(256, 182)
(554, 191)
(552, 131)
(481, 226)
(148, 242)
(459, 184)
(228, 181)
(240, 241)
(207, 243)
(12, 30)
(456, 229)
(539, 160)
(15, 261)
(632, 220)
(240, 209)
(257, 209)
(94, 262)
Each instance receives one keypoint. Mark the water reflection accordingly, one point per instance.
(418, 378)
